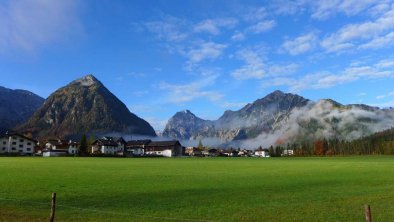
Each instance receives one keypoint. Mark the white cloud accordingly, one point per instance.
(352, 35)
(238, 36)
(203, 51)
(169, 28)
(390, 94)
(279, 70)
(254, 14)
(380, 8)
(213, 26)
(254, 67)
(300, 44)
(29, 24)
(386, 63)
(327, 79)
(379, 42)
(285, 7)
(179, 94)
(326, 8)
(233, 105)
(262, 26)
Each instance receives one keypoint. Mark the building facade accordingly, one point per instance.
(109, 146)
(16, 143)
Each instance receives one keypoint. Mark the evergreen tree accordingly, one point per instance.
(83, 146)
(200, 146)
(271, 151)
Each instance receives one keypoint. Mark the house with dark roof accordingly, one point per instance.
(109, 145)
(164, 148)
(136, 147)
(17, 143)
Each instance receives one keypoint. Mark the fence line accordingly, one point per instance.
(107, 212)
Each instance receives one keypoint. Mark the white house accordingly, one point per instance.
(60, 147)
(261, 153)
(164, 148)
(287, 152)
(17, 143)
(109, 145)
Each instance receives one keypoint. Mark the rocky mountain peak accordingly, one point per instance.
(87, 81)
(85, 106)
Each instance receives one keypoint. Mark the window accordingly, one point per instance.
(28, 149)
(21, 140)
(29, 143)
(13, 143)
(14, 137)
(21, 146)
(3, 148)
(4, 142)
(13, 148)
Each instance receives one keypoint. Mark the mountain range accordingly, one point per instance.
(280, 118)
(16, 107)
(84, 106)
(87, 106)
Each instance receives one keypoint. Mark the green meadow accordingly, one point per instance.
(197, 189)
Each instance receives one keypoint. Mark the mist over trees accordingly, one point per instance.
(381, 143)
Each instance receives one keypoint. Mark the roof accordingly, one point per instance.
(164, 143)
(116, 139)
(105, 142)
(6, 135)
(138, 142)
(58, 142)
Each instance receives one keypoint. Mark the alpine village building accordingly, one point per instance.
(14, 143)
(118, 146)
(59, 147)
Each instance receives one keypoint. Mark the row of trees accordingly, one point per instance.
(378, 143)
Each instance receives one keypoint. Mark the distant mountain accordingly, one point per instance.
(84, 106)
(280, 118)
(16, 106)
(263, 115)
(185, 125)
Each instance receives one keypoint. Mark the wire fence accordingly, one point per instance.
(131, 214)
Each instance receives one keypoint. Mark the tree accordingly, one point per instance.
(271, 151)
(83, 146)
(200, 146)
(90, 142)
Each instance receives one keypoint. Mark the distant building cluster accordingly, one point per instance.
(18, 144)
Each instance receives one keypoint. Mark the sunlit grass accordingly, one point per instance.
(193, 189)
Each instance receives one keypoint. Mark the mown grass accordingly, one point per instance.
(197, 189)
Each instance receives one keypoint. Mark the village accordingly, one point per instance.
(15, 144)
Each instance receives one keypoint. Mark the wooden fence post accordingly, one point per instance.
(53, 208)
(367, 210)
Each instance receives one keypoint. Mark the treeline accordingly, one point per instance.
(381, 143)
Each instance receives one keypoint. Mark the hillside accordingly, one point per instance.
(84, 106)
(16, 107)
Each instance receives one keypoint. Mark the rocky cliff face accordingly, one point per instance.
(280, 118)
(84, 106)
(185, 125)
(260, 116)
(16, 106)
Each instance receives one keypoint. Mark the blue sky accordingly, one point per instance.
(160, 57)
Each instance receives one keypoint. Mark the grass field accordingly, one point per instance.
(197, 189)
